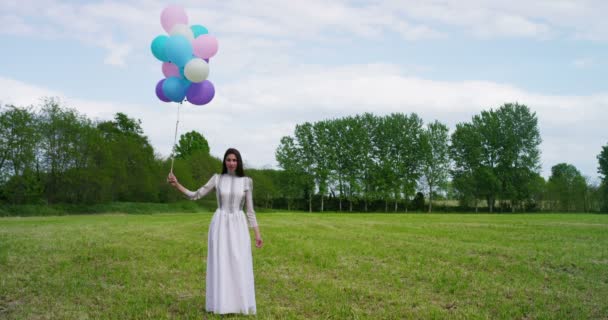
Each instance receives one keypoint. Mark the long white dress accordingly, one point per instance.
(230, 286)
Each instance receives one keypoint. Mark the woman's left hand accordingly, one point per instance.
(259, 242)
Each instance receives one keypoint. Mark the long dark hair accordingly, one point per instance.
(239, 162)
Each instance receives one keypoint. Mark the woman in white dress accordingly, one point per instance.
(230, 285)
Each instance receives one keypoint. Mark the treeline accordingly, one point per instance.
(492, 161)
(51, 154)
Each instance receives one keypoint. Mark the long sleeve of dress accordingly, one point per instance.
(249, 203)
(202, 191)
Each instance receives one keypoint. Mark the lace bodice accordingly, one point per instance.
(232, 193)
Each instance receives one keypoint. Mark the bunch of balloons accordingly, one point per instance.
(185, 54)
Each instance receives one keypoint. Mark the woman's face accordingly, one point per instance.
(231, 162)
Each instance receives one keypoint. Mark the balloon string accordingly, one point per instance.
(175, 137)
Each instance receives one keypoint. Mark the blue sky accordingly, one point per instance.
(282, 63)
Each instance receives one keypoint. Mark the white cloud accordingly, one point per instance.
(516, 18)
(135, 23)
(117, 53)
(416, 32)
(111, 26)
(309, 19)
(511, 25)
(258, 35)
(15, 25)
(23, 94)
(583, 63)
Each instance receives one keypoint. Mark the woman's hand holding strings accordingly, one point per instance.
(172, 179)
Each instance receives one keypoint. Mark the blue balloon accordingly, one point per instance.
(198, 30)
(175, 89)
(158, 48)
(185, 82)
(179, 50)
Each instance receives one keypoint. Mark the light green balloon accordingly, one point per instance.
(198, 30)
(158, 48)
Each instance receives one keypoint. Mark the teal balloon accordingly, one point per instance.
(178, 50)
(175, 89)
(198, 30)
(185, 82)
(158, 48)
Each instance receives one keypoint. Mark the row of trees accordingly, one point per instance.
(492, 159)
(52, 154)
(55, 155)
(364, 157)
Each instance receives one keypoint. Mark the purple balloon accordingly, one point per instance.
(201, 93)
(159, 91)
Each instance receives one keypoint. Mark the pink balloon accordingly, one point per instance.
(204, 46)
(170, 70)
(171, 16)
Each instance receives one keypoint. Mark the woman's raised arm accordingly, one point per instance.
(192, 195)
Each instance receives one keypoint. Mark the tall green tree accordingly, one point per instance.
(408, 154)
(497, 154)
(194, 161)
(603, 163)
(352, 153)
(592, 200)
(487, 174)
(133, 163)
(73, 156)
(294, 178)
(19, 138)
(61, 150)
(367, 124)
(435, 158)
(519, 159)
(466, 153)
(323, 157)
(385, 149)
(603, 171)
(566, 188)
(534, 192)
(338, 159)
(307, 158)
(190, 143)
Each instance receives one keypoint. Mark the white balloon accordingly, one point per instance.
(182, 30)
(196, 70)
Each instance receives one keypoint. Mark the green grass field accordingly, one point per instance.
(322, 266)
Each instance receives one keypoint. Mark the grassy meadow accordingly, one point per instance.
(313, 266)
